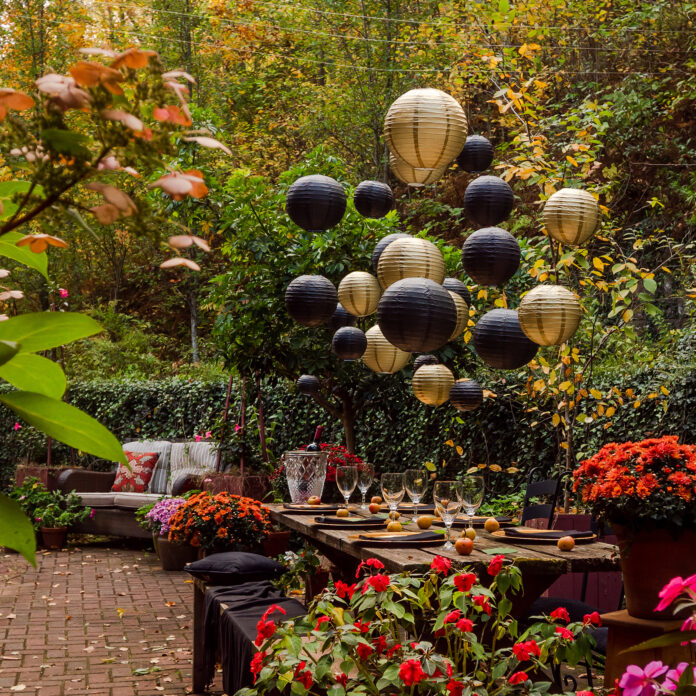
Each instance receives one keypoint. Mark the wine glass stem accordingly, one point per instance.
(363, 497)
(448, 527)
(347, 498)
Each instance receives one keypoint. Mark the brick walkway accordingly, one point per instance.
(94, 620)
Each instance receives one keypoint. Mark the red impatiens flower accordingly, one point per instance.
(341, 679)
(482, 602)
(379, 582)
(411, 672)
(264, 630)
(453, 616)
(362, 626)
(369, 563)
(496, 565)
(593, 619)
(393, 649)
(565, 633)
(465, 625)
(525, 649)
(454, 687)
(380, 644)
(364, 650)
(560, 613)
(345, 591)
(518, 678)
(303, 675)
(441, 565)
(584, 693)
(322, 620)
(257, 664)
(465, 581)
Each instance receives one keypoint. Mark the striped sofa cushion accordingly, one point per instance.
(191, 458)
(159, 483)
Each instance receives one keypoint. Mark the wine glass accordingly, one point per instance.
(366, 474)
(392, 490)
(346, 480)
(472, 495)
(415, 482)
(447, 496)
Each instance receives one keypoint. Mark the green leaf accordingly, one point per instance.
(672, 638)
(65, 423)
(33, 373)
(9, 248)
(8, 191)
(650, 285)
(44, 330)
(16, 531)
(67, 142)
(8, 349)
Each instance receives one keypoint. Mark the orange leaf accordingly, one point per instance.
(12, 99)
(133, 58)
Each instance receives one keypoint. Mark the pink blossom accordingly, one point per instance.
(17, 426)
(689, 625)
(208, 434)
(92, 513)
(63, 292)
(237, 427)
(637, 681)
(671, 591)
(673, 676)
(197, 437)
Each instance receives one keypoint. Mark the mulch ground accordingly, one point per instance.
(94, 620)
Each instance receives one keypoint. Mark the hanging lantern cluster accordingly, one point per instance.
(316, 202)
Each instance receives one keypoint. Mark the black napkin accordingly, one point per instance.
(338, 520)
(423, 536)
(546, 533)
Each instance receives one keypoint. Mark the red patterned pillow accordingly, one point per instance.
(142, 464)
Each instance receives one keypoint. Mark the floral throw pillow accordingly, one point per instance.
(142, 464)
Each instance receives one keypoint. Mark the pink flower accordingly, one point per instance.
(640, 682)
(689, 625)
(17, 426)
(63, 292)
(197, 437)
(92, 513)
(237, 427)
(208, 434)
(671, 591)
(674, 675)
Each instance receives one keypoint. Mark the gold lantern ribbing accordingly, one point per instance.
(410, 257)
(414, 176)
(571, 215)
(359, 293)
(426, 128)
(432, 383)
(381, 356)
(549, 314)
(462, 314)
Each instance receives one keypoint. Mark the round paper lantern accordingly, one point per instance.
(491, 256)
(432, 383)
(383, 244)
(308, 385)
(424, 360)
(359, 293)
(425, 128)
(414, 176)
(549, 314)
(466, 395)
(416, 314)
(462, 314)
(315, 202)
(476, 155)
(349, 343)
(488, 200)
(340, 318)
(380, 355)
(571, 215)
(500, 341)
(373, 199)
(456, 285)
(311, 299)
(410, 258)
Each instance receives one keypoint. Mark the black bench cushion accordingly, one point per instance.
(234, 567)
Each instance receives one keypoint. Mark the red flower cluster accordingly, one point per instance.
(338, 455)
(565, 633)
(345, 591)
(560, 613)
(518, 678)
(482, 602)
(441, 565)
(411, 672)
(265, 628)
(525, 649)
(378, 582)
(303, 675)
(593, 619)
(496, 565)
(373, 563)
(465, 581)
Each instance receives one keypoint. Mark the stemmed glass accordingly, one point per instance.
(472, 495)
(415, 482)
(447, 496)
(346, 480)
(392, 490)
(366, 474)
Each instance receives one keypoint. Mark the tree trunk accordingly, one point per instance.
(193, 305)
(262, 421)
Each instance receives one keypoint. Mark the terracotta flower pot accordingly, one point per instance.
(155, 543)
(54, 537)
(276, 543)
(649, 560)
(175, 556)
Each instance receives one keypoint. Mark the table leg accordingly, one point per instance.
(199, 677)
(533, 586)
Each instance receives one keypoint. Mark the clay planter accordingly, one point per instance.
(54, 537)
(175, 556)
(276, 543)
(47, 475)
(649, 560)
(155, 543)
(255, 487)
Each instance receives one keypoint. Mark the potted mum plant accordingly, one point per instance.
(55, 517)
(646, 491)
(155, 518)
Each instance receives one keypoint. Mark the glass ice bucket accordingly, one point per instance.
(306, 473)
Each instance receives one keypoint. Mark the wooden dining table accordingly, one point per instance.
(540, 564)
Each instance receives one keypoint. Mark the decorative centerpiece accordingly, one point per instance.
(647, 492)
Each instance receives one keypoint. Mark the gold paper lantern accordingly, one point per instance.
(432, 383)
(571, 216)
(462, 314)
(426, 128)
(359, 293)
(410, 257)
(549, 314)
(414, 176)
(381, 356)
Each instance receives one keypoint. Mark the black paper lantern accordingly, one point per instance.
(315, 202)
(383, 244)
(311, 299)
(488, 200)
(373, 199)
(308, 385)
(424, 360)
(456, 285)
(477, 154)
(349, 343)
(417, 315)
(340, 318)
(466, 395)
(491, 256)
(500, 341)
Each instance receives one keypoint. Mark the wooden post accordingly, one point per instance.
(224, 422)
(262, 422)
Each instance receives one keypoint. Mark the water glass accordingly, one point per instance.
(366, 474)
(392, 490)
(346, 480)
(472, 495)
(447, 496)
(415, 482)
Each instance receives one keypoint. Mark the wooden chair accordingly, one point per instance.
(544, 488)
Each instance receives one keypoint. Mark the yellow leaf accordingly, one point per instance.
(596, 393)
(664, 390)
(482, 466)
(636, 403)
(555, 420)
(120, 613)
(598, 263)
(653, 395)
(450, 443)
(630, 393)
(610, 412)
(489, 394)
(600, 410)
(472, 469)
(495, 467)
(627, 315)
(565, 386)
(572, 160)
(460, 451)
(564, 445)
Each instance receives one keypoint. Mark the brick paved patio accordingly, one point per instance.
(94, 620)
